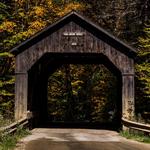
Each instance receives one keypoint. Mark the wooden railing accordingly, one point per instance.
(14, 126)
(136, 126)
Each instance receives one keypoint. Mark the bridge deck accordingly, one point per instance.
(78, 139)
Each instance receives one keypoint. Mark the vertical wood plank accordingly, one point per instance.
(128, 103)
(21, 87)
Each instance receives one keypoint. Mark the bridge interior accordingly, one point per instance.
(37, 87)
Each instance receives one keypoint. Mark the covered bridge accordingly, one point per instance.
(72, 39)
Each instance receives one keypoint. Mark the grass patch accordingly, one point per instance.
(8, 142)
(135, 136)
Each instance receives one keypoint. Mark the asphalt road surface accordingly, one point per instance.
(77, 139)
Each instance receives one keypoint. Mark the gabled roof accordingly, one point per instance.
(84, 23)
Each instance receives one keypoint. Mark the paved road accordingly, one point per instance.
(77, 139)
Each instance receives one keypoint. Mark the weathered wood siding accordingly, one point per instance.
(72, 38)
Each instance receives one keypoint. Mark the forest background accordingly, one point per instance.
(93, 87)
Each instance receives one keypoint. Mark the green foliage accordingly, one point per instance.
(140, 137)
(8, 141)
(145, 40)
(143, 74)
(3, 11)
(6, 85)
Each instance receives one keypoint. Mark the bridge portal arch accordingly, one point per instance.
(72, 36)
(38, 79)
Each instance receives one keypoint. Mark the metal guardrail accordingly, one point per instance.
(136, 125)
(13, 127)
(127, 123)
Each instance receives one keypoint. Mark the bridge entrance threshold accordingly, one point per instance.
(77, 139)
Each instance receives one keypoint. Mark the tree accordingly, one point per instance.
(6, 60)
(6, 85)
(143, 73)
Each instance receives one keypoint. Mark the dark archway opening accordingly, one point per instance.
(38, 93)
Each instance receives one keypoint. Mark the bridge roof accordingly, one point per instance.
(84, 23)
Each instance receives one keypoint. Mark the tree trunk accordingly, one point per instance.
(70, 98)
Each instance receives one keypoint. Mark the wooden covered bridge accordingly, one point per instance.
(72, 39)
